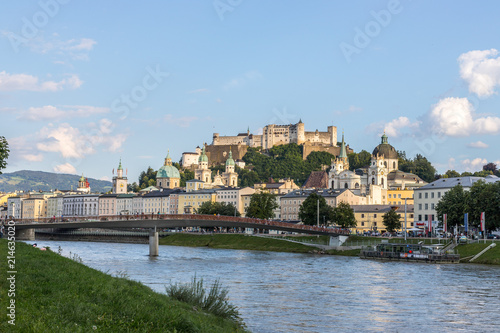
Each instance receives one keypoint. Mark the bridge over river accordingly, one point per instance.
(25, 227)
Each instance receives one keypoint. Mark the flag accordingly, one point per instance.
(483, 222)
(430, 223)
(113, 171)
(126, 171)
(466, 222)
(445, 220)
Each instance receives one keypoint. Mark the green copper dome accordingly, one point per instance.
(168, 171)
(230, 160)
(385, 149)
(203, 157)
(82, 179)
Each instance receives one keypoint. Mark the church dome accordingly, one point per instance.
(385, 149)
(203, 157)
(230, 160)
(168, 171)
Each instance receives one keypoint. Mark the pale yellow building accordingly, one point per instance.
(282, 186)
(370, 217)
(189, 202)
(398, 196)
(34, 208)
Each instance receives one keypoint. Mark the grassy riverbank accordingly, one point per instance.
(236, 242)
(490, 257)
(57, 294)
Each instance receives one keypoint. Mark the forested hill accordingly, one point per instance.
(26, 180)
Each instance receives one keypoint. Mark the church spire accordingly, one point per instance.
(168, 160)
(384, 138)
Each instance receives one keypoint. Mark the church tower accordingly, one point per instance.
(168, 176)
(230, 177)
(341, 162)
(203, 173)
(119, 182)
(83, 185)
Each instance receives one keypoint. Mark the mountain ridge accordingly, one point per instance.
(29, 180)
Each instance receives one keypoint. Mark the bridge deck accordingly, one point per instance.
(174, 221)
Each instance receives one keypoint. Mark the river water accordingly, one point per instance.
(287, 292)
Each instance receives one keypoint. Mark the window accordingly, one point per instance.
(439, 194)
(432, 195)
(420, 195)
(362, 224)
(399, 196)
(432, 206)
(362, 215)
(390, 196)
(374, 215)
(426, 206)
(419, 206)
(426, 195)
(426, 217)
(420, 217)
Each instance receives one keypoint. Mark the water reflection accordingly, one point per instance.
(286, 292)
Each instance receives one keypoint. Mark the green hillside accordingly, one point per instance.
(26, 180)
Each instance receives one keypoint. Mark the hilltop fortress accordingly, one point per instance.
(272, 135)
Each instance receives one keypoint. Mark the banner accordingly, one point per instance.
(445, 219)
(430, 222)
(466, 222)
(483, 222)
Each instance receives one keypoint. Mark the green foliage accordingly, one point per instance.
(247, 177)
(147, 178)
(419, 166)
(214, 302)
(284, 161)
(218, 208)
(485, 197)
(391, 221)
(343, 215)
(308, 211)
(483, 173)
(262, 206)
(186, 175)
(451, 174)
(359, 160)
(455, 203)
(490, 167)
(4, 153)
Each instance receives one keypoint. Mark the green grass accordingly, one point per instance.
(235, 241)
(57, 294)
(490, 257)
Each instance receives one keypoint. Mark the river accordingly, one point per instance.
(287, 292)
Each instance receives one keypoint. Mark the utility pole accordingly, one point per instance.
(318, 212)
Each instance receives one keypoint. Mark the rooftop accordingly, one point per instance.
(452, 182)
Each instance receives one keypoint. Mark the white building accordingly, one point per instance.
(14, 207)
(81, 205)
(55, 206)
(234, 196)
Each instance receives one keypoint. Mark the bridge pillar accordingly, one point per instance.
(153, 243)
(338, 240)
(25, 234)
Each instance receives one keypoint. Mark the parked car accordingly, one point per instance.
(462, 240)
(492, 236)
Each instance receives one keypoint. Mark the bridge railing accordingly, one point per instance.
(191, 217)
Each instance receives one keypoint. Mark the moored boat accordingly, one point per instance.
(409, 252)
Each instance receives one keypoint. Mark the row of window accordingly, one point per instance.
(426, 206)
(426, 195)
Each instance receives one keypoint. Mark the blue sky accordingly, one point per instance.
(85, 83)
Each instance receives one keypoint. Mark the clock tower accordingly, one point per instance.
(119, 182)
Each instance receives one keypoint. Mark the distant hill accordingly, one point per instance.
(26, 180)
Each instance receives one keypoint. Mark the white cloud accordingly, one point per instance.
(65, 168)
(33, 157)
(181, 121)
(394, 127)
(454, 116)
(50, 112)
(349, 110)
(12, 82)
(70, 142)
(477, 144)
(239, 81)
(474, 165)
(481, 70)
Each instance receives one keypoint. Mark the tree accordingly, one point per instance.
(419, 166)
(490, 167)
(455, 203)
(343, 215)
(147, 178)
(359, 160)
(262, 205)
(4, 153)
(452, 174)
(485, 197)
(391, 221)
(218, 208)
(308, 211)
